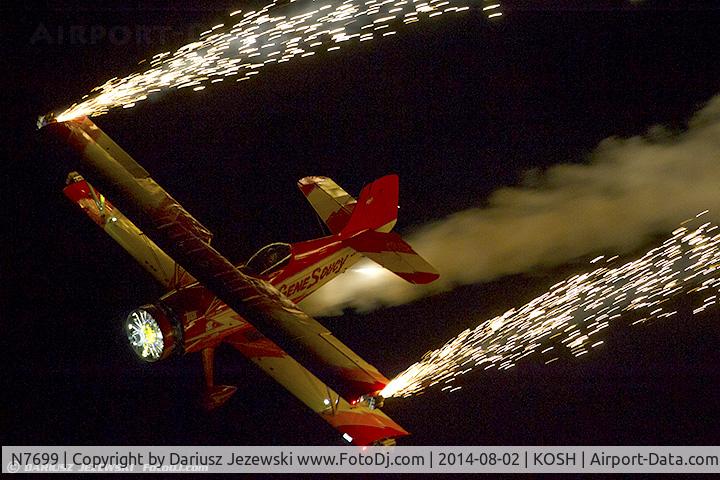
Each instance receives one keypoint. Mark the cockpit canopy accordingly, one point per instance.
(269, 258)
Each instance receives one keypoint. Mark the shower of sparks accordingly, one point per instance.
(573, 312)
(260, 38)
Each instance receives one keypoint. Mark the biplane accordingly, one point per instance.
(253, 306)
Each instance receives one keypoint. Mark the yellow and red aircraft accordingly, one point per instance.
(251, 307)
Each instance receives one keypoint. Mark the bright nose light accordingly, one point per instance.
(145, 336)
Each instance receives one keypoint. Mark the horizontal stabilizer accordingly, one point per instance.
(332, 204)
(391, 252)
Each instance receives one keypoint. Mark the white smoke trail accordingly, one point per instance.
(630, 190)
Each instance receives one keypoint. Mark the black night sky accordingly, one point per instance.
(457, 107)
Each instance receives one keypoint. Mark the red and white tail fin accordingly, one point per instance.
(364, 226)
(378, 202)
(368, 232)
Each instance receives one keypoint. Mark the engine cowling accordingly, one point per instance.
(153, 332)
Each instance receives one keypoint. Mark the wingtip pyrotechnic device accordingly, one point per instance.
(45, 120)
(52, 118)
(371, 400)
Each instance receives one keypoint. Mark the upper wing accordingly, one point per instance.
(114, 166)
(178, 233)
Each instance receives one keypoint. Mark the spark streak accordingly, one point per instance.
(269, 35)
(574, 311)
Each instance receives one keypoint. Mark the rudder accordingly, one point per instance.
(376, 208)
